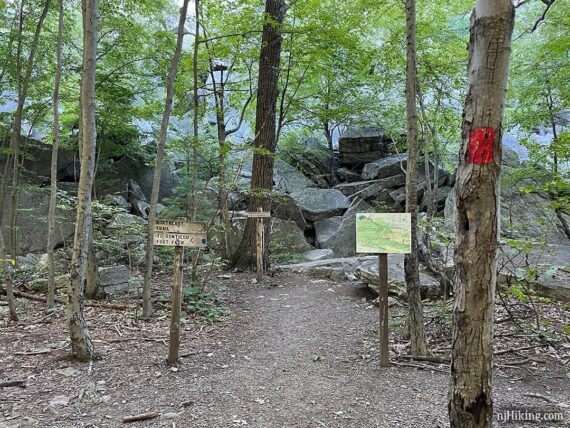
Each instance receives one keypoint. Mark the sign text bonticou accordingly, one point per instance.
(180, 233)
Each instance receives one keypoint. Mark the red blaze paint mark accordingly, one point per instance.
(481, 146)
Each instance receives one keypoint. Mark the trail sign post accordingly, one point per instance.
(260, 238)
(383, 233)
(178, 233)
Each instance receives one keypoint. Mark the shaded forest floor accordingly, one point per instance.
(291, 351)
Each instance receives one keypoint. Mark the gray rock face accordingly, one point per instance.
(325, 231)
(32, 221)
(286, 237)
(368, 190)
(523, 216)
(336, 269)
(125, 221)
(288, 179)
(317, 204)
(118, 201)
(349, 189)
(314, 255)
(137, 199)
(440, 198)
(362, 145)
(386, 167)
(344, 244)
(368, 273)
(114, 279)
(345, 174)
(285, 208)
(130, 231)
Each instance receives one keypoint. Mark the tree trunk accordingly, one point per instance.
(15, 139)
(93, 289)
(265, 134)
(425, 130)
(411, 264)
(147, 303)
(54, 153)
(8, 280)
(550, 104)
(81, 345)
(196, 141)
(477, 215)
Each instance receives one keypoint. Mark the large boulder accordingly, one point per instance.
(286, 237)
(523, 216)
(440, 199)
(344, 244)
(285, 208)
(325, 231)
(368, 273)
(385, 167)
(32, 226)
(313, 159)
(349, 189)
(358, 146)
(370, 189)
(317, 204)
(114, 279)
(345, 174)
(130, 233)
(137, 199)
(288, 179)
(337, 269)
(114, 177)
(549, 265)
(37, 163)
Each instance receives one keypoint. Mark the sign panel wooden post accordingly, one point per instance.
(259, 215)
(383, 233)
(176, 301)
(383, 309)
(178, 233)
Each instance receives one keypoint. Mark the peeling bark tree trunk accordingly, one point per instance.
(147, 302)
(477, 215)
(81, 345)
(265, 134)
(411, 263)
(54, 152)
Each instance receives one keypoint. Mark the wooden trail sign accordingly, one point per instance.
(383, 233)
(259, 215)
(180, 233)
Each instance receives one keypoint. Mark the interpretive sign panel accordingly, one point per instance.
(180, 233)
(383, 233)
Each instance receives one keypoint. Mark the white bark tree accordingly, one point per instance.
(147, 302)
(81, 344)
(55, 149)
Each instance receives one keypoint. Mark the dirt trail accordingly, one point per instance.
(293, 352)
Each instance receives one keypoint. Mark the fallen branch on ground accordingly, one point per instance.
(61, 302)
(9, 383)
(524, 348)
(141, 417)
(438, 360)
(418, 366)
